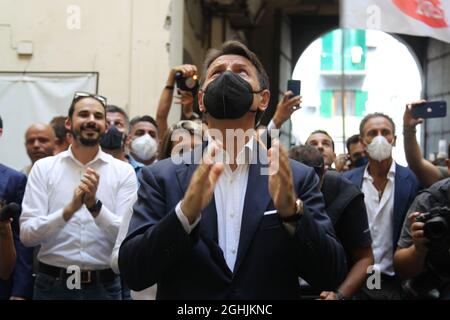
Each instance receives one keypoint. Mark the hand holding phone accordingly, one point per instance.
(430, 109)
(294, 86)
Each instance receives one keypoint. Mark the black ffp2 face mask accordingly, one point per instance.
(112, 139)
(362, 161)
(228, 97)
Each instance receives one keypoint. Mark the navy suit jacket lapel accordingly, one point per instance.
(209, 234)
(257, 199)
(208, 222)
(401, 192)
(359, 176)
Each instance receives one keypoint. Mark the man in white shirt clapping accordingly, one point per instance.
(73, 207)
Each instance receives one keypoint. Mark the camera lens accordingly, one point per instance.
(435, 228)
(186, 83)
(190, 83)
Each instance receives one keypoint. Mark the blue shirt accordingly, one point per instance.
(137, 166)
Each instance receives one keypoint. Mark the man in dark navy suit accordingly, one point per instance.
(389, 189)
(224, 229)
(20, 284)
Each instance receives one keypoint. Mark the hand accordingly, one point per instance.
(281, 183)
(74, 205)
(89, 184)
(201, 187)
(185, 98)
(408, 120)
(188, 70)
(341, 163)
(328, 295)
(418, 238)
(285, 108)
(16, 298)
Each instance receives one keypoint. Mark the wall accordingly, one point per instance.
(125, 41)
(194, 29)
(286, 66)
(437, 88)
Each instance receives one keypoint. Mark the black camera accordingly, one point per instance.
(437, 224)
(187, 83)
(11, 210)
(433, 282)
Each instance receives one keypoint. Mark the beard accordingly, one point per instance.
(86, 141)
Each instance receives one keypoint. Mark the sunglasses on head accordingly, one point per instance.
(81, 94)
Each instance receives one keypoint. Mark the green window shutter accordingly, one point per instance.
(360, 101)
(331, 58)
(355, 38)
(325, 103)
(326, 59)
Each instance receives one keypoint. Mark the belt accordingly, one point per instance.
(86, 276)
(390, 279)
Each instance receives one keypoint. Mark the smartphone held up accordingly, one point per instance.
(430, 109)
(294, 86)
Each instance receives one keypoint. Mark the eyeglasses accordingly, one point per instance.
(81, 94)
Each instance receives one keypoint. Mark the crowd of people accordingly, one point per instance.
(211, 208)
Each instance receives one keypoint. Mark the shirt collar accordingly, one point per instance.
(390, 175)
(100, 156)
(134, 163)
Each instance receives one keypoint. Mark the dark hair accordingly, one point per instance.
(75, 100)
(1, 123)
(59, 126)
(309, 156)
(167, 145)
(374, 115)
(115, 109)
(145, 118)
(352, 140)
(236, 48)
(322, 132)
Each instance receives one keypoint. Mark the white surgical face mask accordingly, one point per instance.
(379, 149)
(144, 147)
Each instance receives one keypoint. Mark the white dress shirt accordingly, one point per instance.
(380, 214)
(229, 195)
(82, 241)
